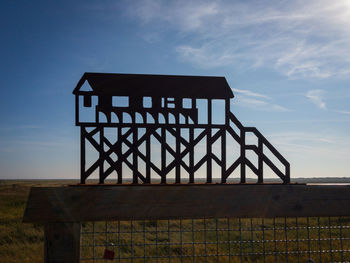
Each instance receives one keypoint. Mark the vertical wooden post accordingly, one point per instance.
(191, 155)
(148, 156)
(223, 156)
(134, 155)
(101, 156)
(260, 162)
(62, 242)
(223, 142)
(163, 156)
(209, 157)
(191, 139)
(82, 154)
(194, 107)
(287, 179)
(119, 151)
(243, 179)
(177, 150)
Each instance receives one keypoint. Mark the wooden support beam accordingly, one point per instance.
(138, 202)
(191, 155)
(134, 157)
(260, 162)
(223, 157)
(101, 156)
(209, 146)
(150, 125)
(119, 154)
(148, 156)
(243, 159)
(82, 155)
(163, 156)
(287, 179)
(177, 156)
(62, 242)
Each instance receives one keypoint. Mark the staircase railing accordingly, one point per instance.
(259, 150)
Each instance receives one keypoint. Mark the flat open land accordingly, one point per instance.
(23, 243)
(20, 242)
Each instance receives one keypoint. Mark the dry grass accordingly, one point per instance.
(24, 242)
(19, 242)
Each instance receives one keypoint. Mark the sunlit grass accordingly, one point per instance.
(21, 242)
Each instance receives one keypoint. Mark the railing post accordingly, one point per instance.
(62, 242)
(260, 162)
(243, 179)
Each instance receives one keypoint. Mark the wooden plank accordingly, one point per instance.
(163, 155)
(152, 125)
(62, 242)
(82, 155)
(243, 159)
(101, 157)
(119, 154)
(260, 161)
(134, 156)
(125, 202)
(191, 155)
(209, 144)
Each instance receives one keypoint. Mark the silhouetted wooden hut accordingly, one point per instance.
(161, 104)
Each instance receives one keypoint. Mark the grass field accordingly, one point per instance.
(211, 240)
(19, 242)
(24, 242)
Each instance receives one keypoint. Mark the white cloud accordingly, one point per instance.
(316, 97)
(312, 144)
(343, 112)
(253, 100)
(300, 39)
(250, 93)
(257, 104)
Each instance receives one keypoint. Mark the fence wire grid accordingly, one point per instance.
(312, 239)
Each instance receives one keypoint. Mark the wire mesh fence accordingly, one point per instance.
(311, 239)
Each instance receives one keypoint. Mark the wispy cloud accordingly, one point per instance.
(259, 105)
(250, 93)
(253, 100)
(316, 97)
(296, 38)
(343, 112)
(312, 143)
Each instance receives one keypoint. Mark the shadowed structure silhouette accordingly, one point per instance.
(146, 110)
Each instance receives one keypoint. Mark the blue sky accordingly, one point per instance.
(288, 63)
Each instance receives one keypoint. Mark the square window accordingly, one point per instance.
(147, 102)
(171, 105)
(187, 103)
(120, 101)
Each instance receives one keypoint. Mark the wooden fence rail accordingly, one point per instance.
(61, 209)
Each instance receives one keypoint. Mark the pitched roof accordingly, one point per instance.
(156, 85)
